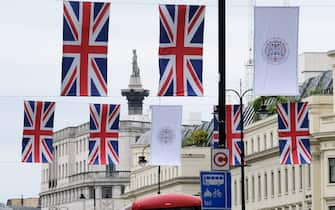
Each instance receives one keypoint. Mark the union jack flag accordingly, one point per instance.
(233, 133)
(85, 39)
(215, 142)
(37, 132)
(293, 133)
(180, 50)
(104, 134)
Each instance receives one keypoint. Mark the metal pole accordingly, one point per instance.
(159, 180)
(242, 155)
(94, 203)
(222, 70)
(241, 95)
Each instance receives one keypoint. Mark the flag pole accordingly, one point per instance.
(222, 70)
(240, 96)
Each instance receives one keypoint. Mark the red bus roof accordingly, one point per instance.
(166, 201)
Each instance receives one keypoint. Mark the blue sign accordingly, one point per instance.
(215, 190)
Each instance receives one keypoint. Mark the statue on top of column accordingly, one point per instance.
(136, 70)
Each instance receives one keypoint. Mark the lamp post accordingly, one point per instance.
(241, 95)
(222, 70)
(142, 162)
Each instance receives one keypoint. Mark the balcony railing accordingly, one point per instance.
(91, 175)
(99, 175)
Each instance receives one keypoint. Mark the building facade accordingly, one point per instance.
(310, 64)
(173, 179)
(24, 202)
(70, 183)
(271, 186)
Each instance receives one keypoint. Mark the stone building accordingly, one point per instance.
(70, 183)
(24, 202)
(271, 186)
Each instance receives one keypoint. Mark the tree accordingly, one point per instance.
(198, 137)
(271, 107)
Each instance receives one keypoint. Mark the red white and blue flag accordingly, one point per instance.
(85, 40)
(104, 134)
(293, 133)
(215, 142)
(180, 50)
(38, 132)
(233, 133)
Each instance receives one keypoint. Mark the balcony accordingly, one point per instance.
(100, 176)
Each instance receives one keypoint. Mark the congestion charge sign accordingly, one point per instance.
(215, 190)
(220, 159)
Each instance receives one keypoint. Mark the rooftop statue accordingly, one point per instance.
(136, 70)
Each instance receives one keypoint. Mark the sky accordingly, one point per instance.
(31, 53)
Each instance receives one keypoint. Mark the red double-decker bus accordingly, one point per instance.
(167, 202)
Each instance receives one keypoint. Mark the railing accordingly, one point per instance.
(94, 175)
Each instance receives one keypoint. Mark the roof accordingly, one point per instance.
(167, 201)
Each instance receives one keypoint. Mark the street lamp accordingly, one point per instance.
(142, 162)
(241, 95)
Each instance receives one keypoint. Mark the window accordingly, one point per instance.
(259, 188)
(246, 148)
(91, 192)
(258, 144)
(56, 150)
(253, 188)
(235, 193)
(309, 176)
(265, 144)
(246, 189)
(265, 185)
(300, 177)
(331, 171)
(252, 146)
(286, 180)
(107, 192)
(80, 145)
(331, 207)
(271, 139)
(279, 182)
(272, 184)
(293, 178)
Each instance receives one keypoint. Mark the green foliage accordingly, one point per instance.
(198, 138)
(316, 91)
(272, 107)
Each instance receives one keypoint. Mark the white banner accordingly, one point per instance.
(276, 51)
(166, 135)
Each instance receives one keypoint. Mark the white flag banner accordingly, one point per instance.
(276, 51)
(166, 135)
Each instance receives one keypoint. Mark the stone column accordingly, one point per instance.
(98, 192)
(98, 197)
(116, 191)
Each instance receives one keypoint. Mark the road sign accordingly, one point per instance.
(220, 161)
(215, 190)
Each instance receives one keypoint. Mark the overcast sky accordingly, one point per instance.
(31, 52)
